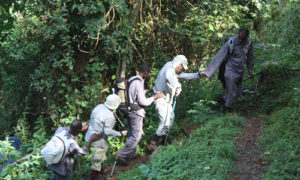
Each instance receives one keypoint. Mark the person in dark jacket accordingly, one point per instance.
(235, 58)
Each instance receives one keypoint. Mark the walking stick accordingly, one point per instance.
(172, 118)
(112, 171)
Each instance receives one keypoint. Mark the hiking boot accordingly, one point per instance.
(122, 161)
(152, 146)
(220, 99)
(98, 177)
(167, 140)
(134, 156)
(95, 175)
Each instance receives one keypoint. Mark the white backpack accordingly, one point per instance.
(56, 148)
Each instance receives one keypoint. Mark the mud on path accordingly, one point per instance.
(118, 168)
(249, 164)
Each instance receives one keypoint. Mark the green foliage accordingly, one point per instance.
(58, 59)
(202, 111)
(281, 139)
(209, 150)
(33, 167)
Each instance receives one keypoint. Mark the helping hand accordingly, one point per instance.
(203, 75)
(124, 133)
(159, 95)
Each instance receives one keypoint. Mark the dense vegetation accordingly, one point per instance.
(59, 58)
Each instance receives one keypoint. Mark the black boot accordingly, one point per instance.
(154, 143)
(220, 99)
(122, 161)
(166, 140)
(226, 110)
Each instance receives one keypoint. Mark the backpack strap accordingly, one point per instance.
(230, 45)
(131, 106)
(63, 155)
(128, 86)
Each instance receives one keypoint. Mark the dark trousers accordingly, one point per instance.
(56, 176)
(233, 90)
(135, 130)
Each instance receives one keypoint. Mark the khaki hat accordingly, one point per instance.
(112, 101)
(181, 59)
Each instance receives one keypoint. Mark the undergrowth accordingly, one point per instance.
(209, 152)
(281, 139)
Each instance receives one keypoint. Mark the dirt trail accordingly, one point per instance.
(118, 168)
(142, 159)
(249, 164)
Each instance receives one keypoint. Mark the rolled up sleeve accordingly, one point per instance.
(108, 128)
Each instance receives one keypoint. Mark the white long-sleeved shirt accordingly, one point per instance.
(102, 121)
(168, 75)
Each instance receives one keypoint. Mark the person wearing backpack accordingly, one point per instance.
(102, 121)
(234, 54)
(62, 166)
(137, 102)
(168, 83)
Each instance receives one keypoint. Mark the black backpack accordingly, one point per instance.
(222, 68)
(121, 88)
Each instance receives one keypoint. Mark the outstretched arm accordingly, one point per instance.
(188, 76)
(217, 60)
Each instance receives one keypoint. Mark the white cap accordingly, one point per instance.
(112, 101)
(181, 59)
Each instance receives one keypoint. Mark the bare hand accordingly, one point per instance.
(159, 95)
(203, 75)
(178, 91)
(85, 126)
(124, 133)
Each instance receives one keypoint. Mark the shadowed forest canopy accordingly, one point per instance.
(59, 59)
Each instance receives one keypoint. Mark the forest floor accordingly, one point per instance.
(249, 164)
(187, 130)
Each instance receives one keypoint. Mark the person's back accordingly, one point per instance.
(64, 168)
(97, 119)
(137, 100)
(161, 80)
(102, 121)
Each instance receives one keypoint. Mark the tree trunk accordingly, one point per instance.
(133, 16)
